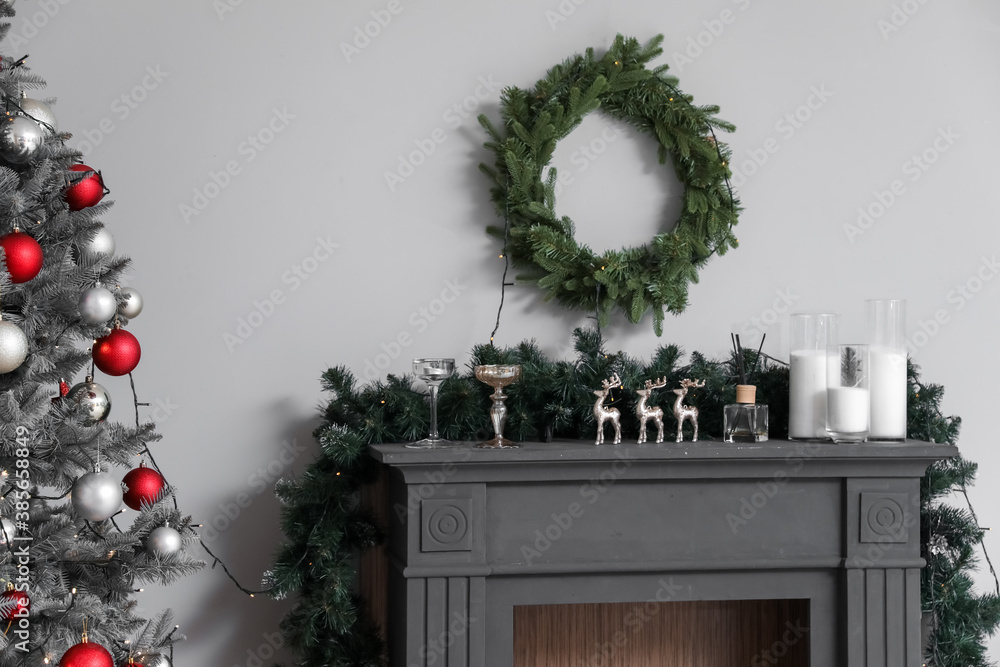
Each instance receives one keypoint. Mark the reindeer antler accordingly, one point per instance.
(689, 384)
(613, 381)
(662, 382)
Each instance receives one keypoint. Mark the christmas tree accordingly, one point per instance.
(69, 563)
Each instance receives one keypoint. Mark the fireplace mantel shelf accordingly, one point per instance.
(703, 450)
(476, 533)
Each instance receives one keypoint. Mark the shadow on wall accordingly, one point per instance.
(244, 531)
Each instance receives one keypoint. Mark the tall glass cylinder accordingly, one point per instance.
(811, 334)
(887, 350)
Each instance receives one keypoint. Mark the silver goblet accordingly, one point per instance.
(433, 372)
(498, 377)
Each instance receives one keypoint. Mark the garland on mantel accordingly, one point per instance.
(325, 528)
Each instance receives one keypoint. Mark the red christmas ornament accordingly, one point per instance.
(23, 604)
(24, 256)
(145, 487)
(63, 391)
(87, 192)
(117, 353)
(87, 654)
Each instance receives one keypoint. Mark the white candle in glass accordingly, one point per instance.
(807, 397)
(887, 384)
(847, 409)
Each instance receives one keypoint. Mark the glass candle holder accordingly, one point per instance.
(498, 377)
(433, 371)
(744, 421)
(811, 335)
(848, 400)
(887, 341)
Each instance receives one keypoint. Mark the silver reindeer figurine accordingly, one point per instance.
(682, 412)
(603, 414)
(645, 412)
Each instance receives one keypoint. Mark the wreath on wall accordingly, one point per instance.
(652, 277)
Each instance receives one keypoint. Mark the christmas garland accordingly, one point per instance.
(325, 527)
(640, 279)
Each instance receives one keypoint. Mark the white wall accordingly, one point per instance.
(226, 412)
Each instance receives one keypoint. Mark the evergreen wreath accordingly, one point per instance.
(649, 277)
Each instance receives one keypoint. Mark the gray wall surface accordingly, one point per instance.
(275, 123)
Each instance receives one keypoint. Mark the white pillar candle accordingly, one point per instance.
(887, 383)
(807, 394)
(847, 409)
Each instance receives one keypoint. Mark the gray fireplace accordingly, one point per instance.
(570, 553)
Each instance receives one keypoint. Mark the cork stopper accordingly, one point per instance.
(746, 393)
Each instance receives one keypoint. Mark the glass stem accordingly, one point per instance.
(433, 387)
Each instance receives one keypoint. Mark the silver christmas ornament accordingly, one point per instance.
(97, 305)
(20, 139)
(97, 496)
(9, 530)
(13, 346)
(103, 244)
(40, 112)
(163, 541)
(93, 399)
(133, 303)
(156, 660)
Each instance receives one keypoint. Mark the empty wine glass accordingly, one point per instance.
(433, 372)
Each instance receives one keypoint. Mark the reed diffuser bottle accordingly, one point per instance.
(745, 421)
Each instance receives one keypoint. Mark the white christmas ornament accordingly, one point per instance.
(103, 244)
(97, 305)
(97, 496)
(13, 347)
(133, 303)
(9, 530)
(163, 541)
(40, 112)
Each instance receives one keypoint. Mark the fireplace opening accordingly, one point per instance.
(722, 633)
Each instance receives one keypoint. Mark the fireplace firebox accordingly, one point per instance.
(566, 553)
